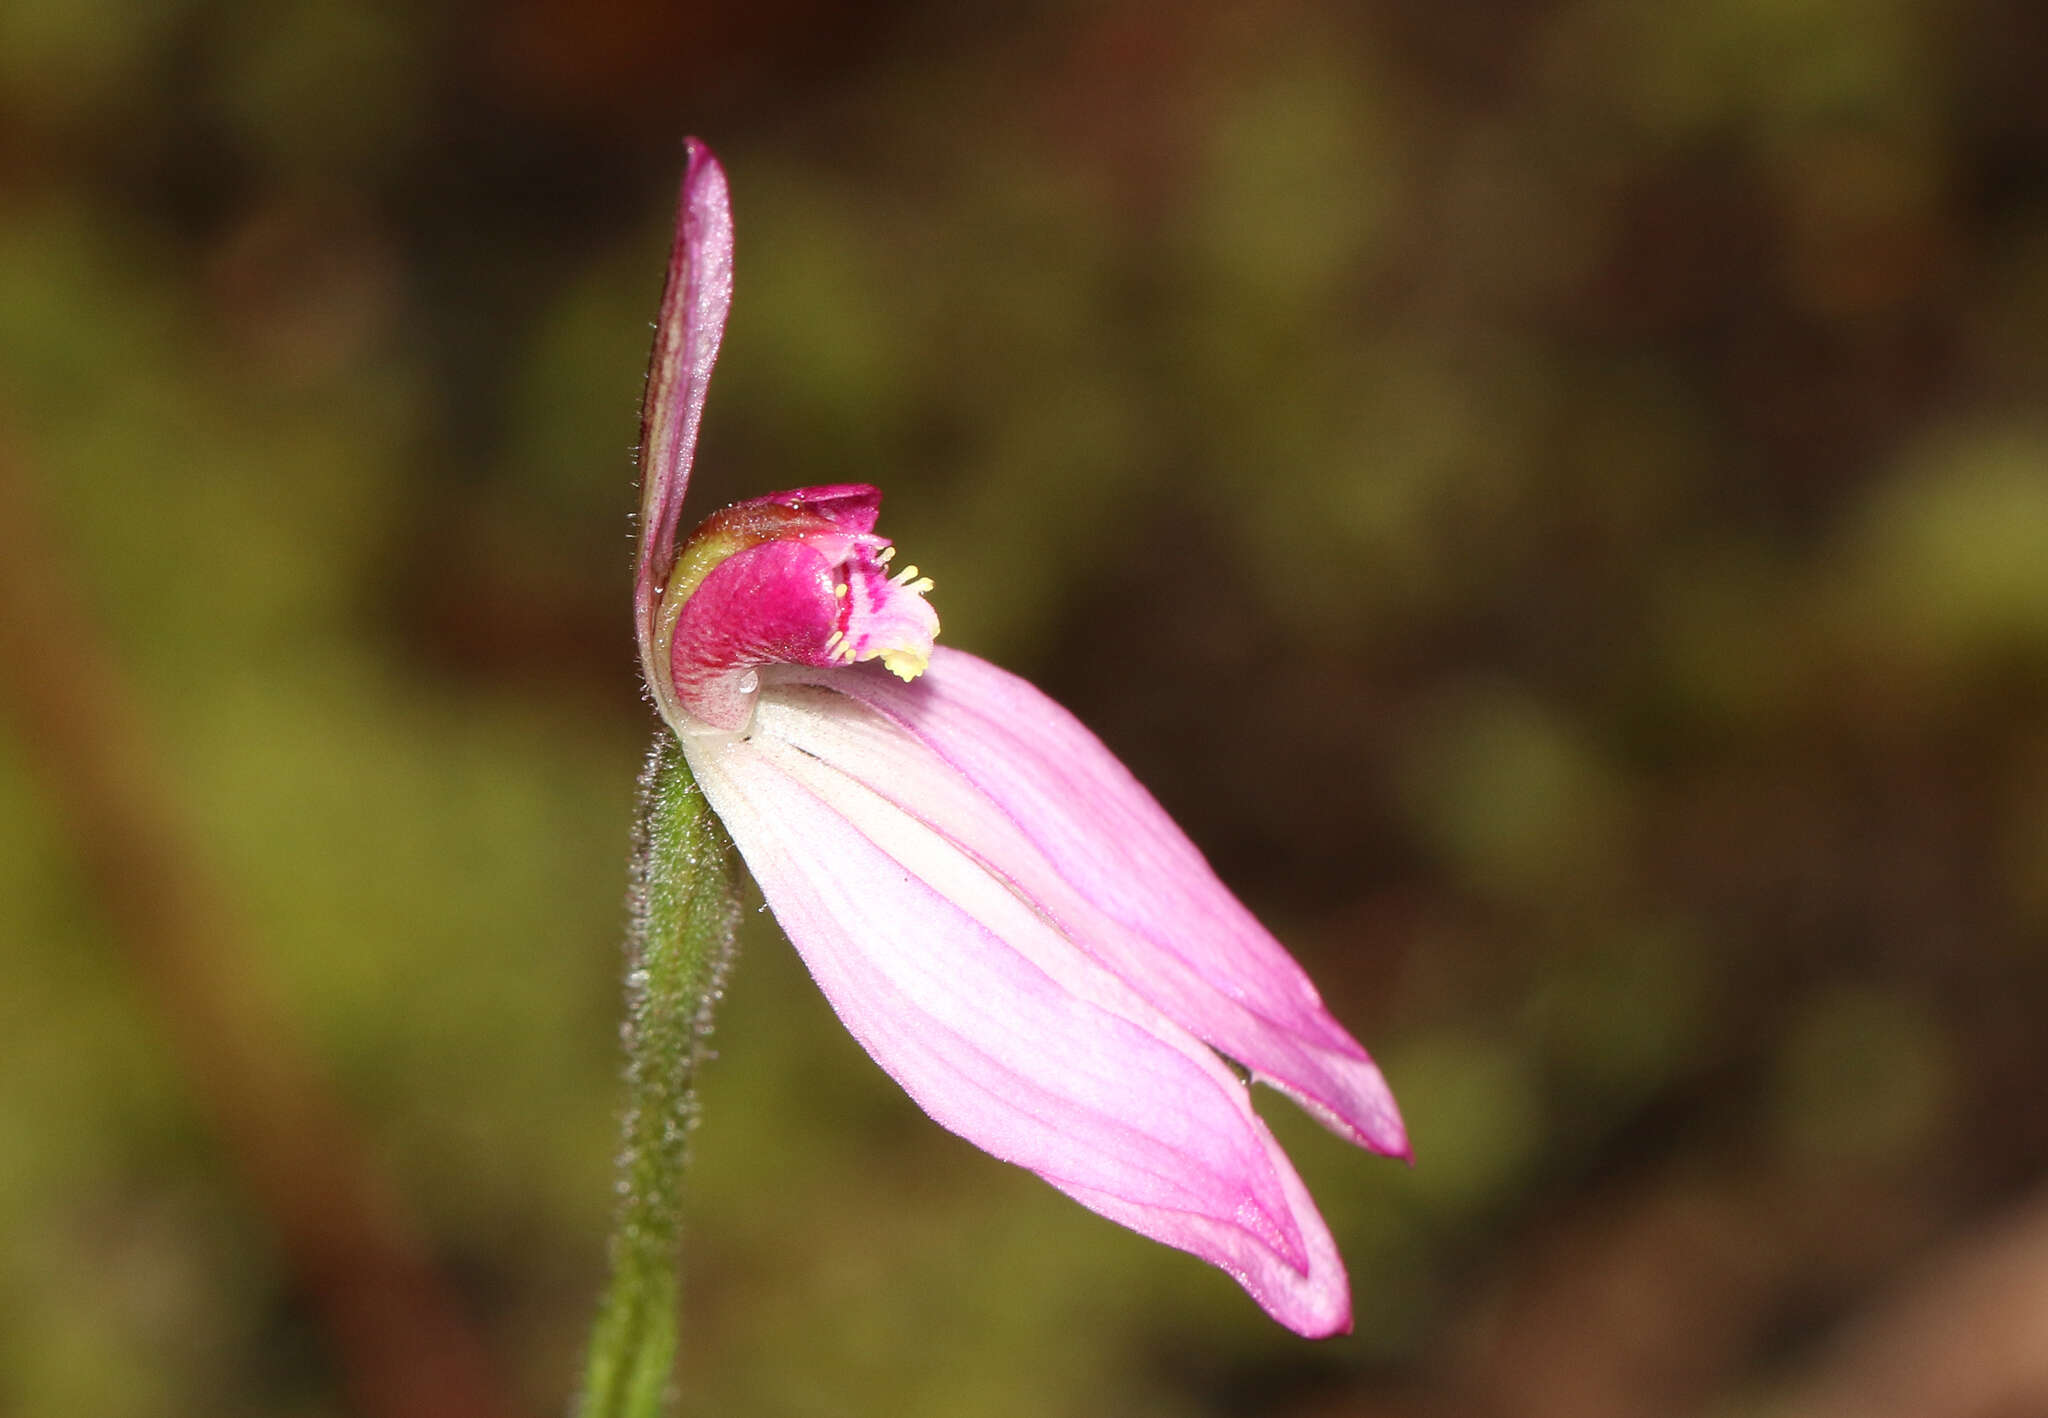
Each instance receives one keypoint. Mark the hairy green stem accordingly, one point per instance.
(685, 911)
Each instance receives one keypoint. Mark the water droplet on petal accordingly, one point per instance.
(749, 682)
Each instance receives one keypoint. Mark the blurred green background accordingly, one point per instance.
(1553, 496)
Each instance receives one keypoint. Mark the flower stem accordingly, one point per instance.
(685, 911)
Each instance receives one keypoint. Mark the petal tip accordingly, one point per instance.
(706, 197)
(1337, 1324)
(1320, 1309)
(1388, 1136)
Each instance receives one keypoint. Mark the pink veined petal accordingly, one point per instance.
(1155, 914)
(815, 599)
(1009, 1036)
(694, 304)
(1308, 1312)
(770, 603)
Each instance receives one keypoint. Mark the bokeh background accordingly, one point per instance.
(1553, 496)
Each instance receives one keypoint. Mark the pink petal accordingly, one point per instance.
(1115, 871)
(1005, 1033)
(770, 603)
(694, 303)
(813, 598)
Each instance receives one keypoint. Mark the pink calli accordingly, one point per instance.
(997, 910)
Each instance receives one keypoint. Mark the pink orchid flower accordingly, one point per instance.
(996, 909)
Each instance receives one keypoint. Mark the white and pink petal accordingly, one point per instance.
(1009, 1035)
(1061, 815)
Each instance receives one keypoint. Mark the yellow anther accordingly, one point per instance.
(906, 664)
